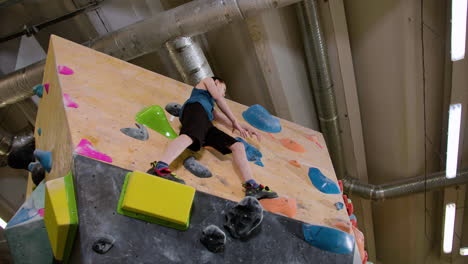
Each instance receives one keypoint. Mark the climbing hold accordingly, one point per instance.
(64, 70)
(328, 239)
(281, 205)
(38, 90)
(322, 183)
(261, 119)
(197, 169)
(85, 148)
(45, 158)
(213, 238)
(156, 200)
(139, 133)
(37, 172)
(68, 101)
(314, 139)
(295, 163)
(61, 216)
(39, 131)
(339, 205)
(173, 109)
(244, 218)
(292, 145)
(359, 236)
(340, 183)
(353, 220)
(46, 87)
(253, 154)
(154, 118)
(103, 245)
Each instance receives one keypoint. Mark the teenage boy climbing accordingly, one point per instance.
(197, 131)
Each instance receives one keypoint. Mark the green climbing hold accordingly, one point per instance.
(155, 118)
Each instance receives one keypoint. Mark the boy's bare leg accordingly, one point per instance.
(175, 148)
(240, 160)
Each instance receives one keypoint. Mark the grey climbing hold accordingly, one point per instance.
(197, 169)
(213, 238)
(103, 245)
(244, 218)
(139, 133)
(173, 108)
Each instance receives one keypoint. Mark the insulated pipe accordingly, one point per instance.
(322, 83)
(403, 187)
(189, 60)
(193, 18)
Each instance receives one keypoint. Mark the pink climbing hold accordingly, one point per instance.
(41, 212)
(85, 148)
(46, 86)
(64, 70)
(68, 101)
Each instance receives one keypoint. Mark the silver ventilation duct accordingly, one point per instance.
(403, 187)
(189, 60)
(322, 83)
(138, 39)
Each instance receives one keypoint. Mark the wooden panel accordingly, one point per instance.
(110, 92)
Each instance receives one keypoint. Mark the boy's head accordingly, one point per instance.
(220, 84)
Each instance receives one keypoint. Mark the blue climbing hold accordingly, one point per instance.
(39, 131)
(261, 119)
(45, 158)
(339, 205)
(352, 217)
(322, 183)
(253, 154)
(38, 90)
(328, 239)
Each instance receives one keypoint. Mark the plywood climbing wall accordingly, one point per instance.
(96, 95)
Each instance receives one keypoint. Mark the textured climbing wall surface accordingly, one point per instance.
(104, 94)
(278, 239)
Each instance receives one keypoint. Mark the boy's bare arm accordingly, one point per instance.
(222, 119)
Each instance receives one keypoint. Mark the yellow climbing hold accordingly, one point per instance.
(156, 200)
(60, 216)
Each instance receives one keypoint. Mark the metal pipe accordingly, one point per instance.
(146, 36)
(9, 142)
(403, 187)
(322, 83)
(189, 60)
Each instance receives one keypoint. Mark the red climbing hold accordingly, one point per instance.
(68, 101)
(340, 183)
(46, 86)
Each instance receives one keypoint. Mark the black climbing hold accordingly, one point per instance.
(173, 108)
(139, 133)
(21, 156)
(37, 172)
(213, 238)
(197, 169)
(244, 218)
(103, 245)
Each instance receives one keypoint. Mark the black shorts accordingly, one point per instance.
(198, 127)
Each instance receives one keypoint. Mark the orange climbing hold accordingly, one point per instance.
(360, 243)
(295, 163)
(292, 145)
(314, 139)
(281, 205)
(342, 225)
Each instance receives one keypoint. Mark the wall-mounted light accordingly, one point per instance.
(2, 223)
(449, 225)
(452, 140)
(458, 29)
(464, 251)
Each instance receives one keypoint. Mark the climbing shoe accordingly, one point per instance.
(259, 192)
(164, 173)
